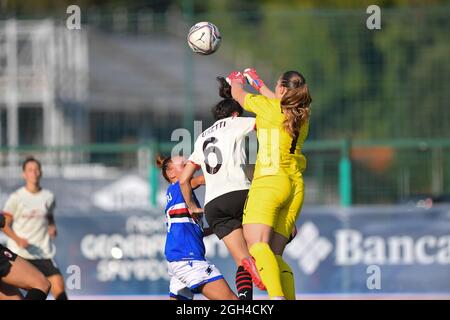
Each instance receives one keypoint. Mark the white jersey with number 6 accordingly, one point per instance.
(220, 152)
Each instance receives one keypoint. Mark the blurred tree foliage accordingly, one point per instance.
(36, 8)
(387, 83)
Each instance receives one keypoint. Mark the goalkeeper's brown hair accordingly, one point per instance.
(295, 103)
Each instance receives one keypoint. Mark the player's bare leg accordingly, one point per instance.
(25, 276)
(57, 289)
(278, 243)
(238, 249)
(218, 290)
(236, 245)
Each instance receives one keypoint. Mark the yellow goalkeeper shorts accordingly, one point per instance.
(275, 201)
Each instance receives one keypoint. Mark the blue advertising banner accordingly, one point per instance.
(372, 250)
(116, 248)
(356, 251)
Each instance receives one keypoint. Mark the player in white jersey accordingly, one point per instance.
(219, 151)
(30, 226)
(16, 272)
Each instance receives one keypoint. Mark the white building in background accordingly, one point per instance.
(61, 87)
(43, 82)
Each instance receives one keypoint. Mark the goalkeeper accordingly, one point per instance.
(276, 194)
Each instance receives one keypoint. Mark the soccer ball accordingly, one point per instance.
(204, 38)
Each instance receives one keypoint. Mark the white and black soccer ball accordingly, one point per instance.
(204, 38)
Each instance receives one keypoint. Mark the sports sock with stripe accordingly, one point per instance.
(35, 294)
(287, 278)
(62, 296)
(268, 268)
(244, 284)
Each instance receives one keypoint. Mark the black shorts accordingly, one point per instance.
(47, 267)
(224, 213)
(6, 256)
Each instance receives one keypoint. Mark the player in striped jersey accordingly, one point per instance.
(189, 270)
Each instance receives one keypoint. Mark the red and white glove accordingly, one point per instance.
(253, 79)
(235, 75)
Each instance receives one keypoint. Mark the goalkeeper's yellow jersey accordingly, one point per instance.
(279, 153)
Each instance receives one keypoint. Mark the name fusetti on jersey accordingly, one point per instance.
(220, 152)
(217, 125)
(182, 227)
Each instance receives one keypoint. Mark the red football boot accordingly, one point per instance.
(250, 266)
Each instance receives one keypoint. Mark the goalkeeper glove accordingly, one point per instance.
(253, 79)
(235, 75)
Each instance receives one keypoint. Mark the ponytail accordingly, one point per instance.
(163, 163)
(295, 103)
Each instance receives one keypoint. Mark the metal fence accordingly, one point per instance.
(339, 172)
(379, 127)
(379, 172)
(366, 84)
